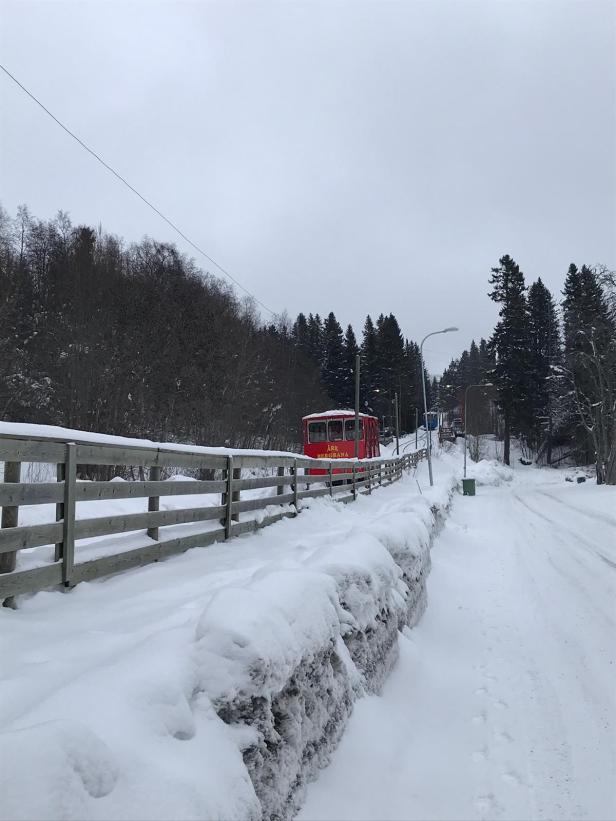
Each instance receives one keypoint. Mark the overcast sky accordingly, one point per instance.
(358, 157)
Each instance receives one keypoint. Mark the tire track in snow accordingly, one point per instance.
(576, 691)
(594, 515)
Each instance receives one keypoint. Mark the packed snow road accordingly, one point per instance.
(503, 701)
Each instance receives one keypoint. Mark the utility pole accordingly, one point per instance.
(550, 390)
(397, 425)
(357, 406)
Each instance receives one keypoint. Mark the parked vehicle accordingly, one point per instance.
(431, 420)
(331, 435)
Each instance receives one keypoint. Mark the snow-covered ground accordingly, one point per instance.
(159, 693)
(503, 702)
(113, 695)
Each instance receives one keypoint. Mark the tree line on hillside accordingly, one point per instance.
(554, 370)
(135, 340)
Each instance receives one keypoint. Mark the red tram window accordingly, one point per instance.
(317, 432)
(349, 429)
(335, 430)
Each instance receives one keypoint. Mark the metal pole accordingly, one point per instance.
(465, 401)
(423, 384)
(357, 406)
(416, 425)
(397, 425)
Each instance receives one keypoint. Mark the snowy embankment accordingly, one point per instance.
(214, 684)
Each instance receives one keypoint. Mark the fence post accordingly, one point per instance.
(68, 526)
(10, 517)
(380, 474)
(228, 497)
(295, 499)
(154, 501)
(224, 475)
(354, 483)
(369, 474)
(60, 477)
(280, 488)
(235, 494)
(331, 480)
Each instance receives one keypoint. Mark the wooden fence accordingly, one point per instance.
(222, 509)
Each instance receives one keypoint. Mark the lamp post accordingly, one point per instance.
(423, 382)
(468, 387)
(397, 424)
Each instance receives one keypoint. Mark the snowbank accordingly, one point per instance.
(214, 684)
(489, 472)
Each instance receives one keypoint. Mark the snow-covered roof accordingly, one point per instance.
(335, 413)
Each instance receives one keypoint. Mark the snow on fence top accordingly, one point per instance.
(195, 512)
(22, 430)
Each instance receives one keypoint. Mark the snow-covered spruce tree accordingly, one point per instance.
(351, 349)
(433, 394)
(589, 320)
(545, 357)
(487, 361)
(510, 343)
(314, 342)
(391, 351)
(474, 366)
(299, 334)
(415, 374)
(333, 364)
(392, 378)
(369, 354)
(449, 388)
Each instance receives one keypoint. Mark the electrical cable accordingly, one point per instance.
(134, 190)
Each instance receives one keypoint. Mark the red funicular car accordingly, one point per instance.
(331, 435)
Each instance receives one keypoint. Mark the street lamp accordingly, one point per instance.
(423, 382)
(468, 387)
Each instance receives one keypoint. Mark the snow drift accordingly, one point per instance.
(217, 683)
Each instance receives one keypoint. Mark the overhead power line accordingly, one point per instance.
(134, 190)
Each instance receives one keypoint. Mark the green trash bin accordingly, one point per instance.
(468, 487)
